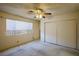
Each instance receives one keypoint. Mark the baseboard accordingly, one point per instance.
(63, 46)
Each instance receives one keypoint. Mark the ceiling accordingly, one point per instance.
(21, 9)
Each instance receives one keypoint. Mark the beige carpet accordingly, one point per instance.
(38, 48)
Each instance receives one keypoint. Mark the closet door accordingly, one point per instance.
(66, 33)
(50, 32)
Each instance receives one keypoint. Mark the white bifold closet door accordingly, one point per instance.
(50, 32)
(66, 33)
(61, 33)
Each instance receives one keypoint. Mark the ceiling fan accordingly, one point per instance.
(39, 13)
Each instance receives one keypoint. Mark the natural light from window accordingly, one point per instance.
(14, 27)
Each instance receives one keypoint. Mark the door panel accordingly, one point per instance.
(50, 32)
(66, 33)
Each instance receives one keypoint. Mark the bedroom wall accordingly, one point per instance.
(10, 41)
(78, 32)
(68, 13)
(36, 30)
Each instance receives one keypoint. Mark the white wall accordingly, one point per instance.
(10, 41)
(78, 33)
(65, 14)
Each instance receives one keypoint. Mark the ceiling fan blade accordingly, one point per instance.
(48, 13)
(31, 11)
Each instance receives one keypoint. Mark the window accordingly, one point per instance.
(14, 27)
